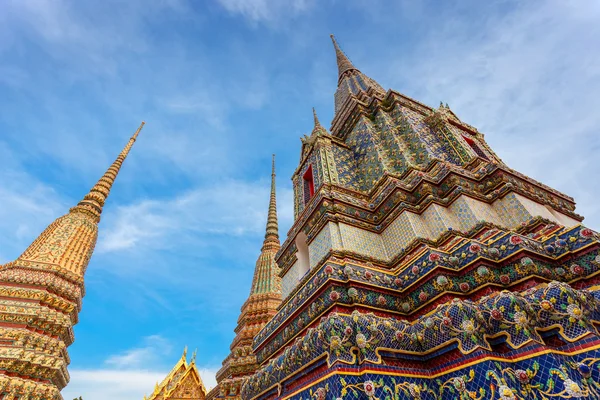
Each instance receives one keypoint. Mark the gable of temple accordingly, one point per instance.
(182, 382)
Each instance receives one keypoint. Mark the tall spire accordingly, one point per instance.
(272, 232)
(67, 244)
(44, 288)
(344, 64)
(261, 305)
(93, 202)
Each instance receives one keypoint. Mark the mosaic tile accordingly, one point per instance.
(362, 242)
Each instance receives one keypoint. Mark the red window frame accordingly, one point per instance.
(475, 147)
(308, 177)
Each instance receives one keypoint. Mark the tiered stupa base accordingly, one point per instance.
(504, 317)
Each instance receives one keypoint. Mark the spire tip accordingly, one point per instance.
(139, 129)
(316, 119)
(344, 64)
(272, 231)
(93, 202)
(273, 164)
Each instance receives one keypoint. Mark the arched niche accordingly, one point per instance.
(302, 255)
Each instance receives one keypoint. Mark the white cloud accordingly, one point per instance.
(131, 374)
(266, 10)
(103, 384)
(149, 353)
(230, 208)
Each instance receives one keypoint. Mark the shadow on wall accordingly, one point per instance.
(302, 255)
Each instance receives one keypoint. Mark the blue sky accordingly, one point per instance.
(222, 84)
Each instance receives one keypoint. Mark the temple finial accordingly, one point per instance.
(318, 128)
(184, 355)
(193, 360)
(93, 202)
(317, 123)
(272, 232)
(344, 64)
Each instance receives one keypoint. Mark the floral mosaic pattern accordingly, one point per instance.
(543, 377)
(359, 338)
(399, 292)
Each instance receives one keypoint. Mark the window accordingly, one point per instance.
(309, 185)
(476, 148)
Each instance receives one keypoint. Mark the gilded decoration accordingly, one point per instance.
(183, 382)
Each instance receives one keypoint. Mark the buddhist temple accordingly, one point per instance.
(421, 266)
(41, 297)
(183, 382)
(418, 266)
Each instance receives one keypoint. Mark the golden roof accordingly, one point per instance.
(184, 379)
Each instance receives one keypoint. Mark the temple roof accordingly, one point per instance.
(182, 374)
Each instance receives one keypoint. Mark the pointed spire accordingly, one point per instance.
(193, 360)
(317, 123)
(67, 244)
(184, 355)
(318, 127)
(344, 64)
(93, 202)
(272, 232)
(351, 82)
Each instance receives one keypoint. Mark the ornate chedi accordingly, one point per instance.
(41, 293)
(420, 266)
(265, 297)
(183, 382)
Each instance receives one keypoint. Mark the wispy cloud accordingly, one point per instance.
(266, 10)
(102, 384)
(150, 352)
(231, 208)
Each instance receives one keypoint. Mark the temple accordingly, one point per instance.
(418, 266)
(41, 293)
(183, 382)
(421, 266)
